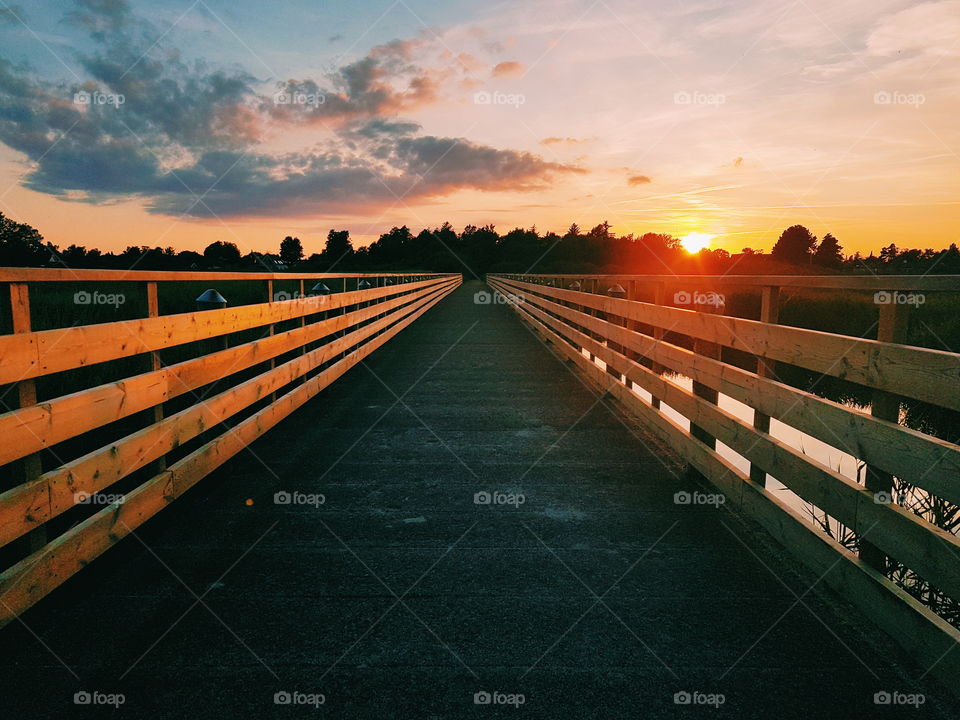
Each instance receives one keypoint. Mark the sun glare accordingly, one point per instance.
(695, 242)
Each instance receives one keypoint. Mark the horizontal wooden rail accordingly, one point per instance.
(361, 322)
(32, 504)
(587, 329)
(29, 355)
(43, 425)
(24, 275)
(866, 283)
(931, 551)
(929, 375)
(926, 461)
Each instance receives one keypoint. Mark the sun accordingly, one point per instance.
(695, 242)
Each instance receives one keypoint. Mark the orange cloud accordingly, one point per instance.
(638, 180)
(564, 140)
(508, 69)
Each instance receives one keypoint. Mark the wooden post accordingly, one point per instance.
(270, 331)
(659, 297)
(153, 363)
(303, 323)
(886, 406)
(29, 466)
(594, 285)
(712, 350)
(633, 293)
(769, 313)
(616, 347)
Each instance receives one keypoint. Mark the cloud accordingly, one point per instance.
(389, 166)
(563, 141)
(13, 14)
(638, 180)
(396, 77)
(929, 28)
(103, 18)
(508, 69)
(186, 131)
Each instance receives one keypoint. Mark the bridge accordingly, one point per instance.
(412, 496)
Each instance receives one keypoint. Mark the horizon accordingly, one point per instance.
(177, 124)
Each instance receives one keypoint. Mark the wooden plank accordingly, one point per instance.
(32, 578)
(866, 283)
(49, 351)
(153, 310)
(46, 424)
(30, 505)
(914, 626)
(19, 274)
(29, 467)
(928, 462)
(769, 313)
(892, 327)
(702, 390)
(929, 375)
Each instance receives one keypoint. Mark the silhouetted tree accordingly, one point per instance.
(392, 248)
(795, 245)
(219, 254)
(291, 250)
(21, 245)
(829, 253)
(338, 250)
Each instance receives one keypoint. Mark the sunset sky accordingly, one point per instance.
(247, 121)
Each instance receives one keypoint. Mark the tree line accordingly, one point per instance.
(478, 250)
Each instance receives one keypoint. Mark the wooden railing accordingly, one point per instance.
(239, 372)
(627, 346)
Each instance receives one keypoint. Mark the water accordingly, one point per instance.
(817, 450)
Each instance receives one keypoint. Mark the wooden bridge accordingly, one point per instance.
(571, 494)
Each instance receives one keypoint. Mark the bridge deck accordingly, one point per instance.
(401, 597)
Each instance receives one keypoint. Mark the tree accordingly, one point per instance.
(795, 245)
(220, 253)
(829, 253)
(392, 247)
(338, 246)
(291, 250)
(21, 245)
